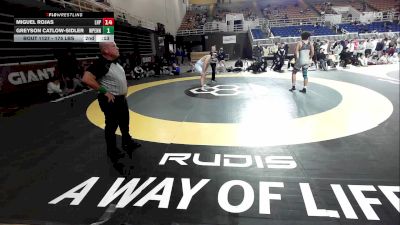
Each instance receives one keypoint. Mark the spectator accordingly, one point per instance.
(373, 59)
(321, 57)
(175, 69)
(363, 60)
(138, 72)
(53, 89)
(346, 57)
(324, 46)
(398, 44)
(149, 69)
(78, 84)
(178, 54)
(317, 46)
(336, 28)
(172, 57)
(374, 42)
(239, 64)
(157, 65)
(286, 48)
(351, 47)
(164, 66)
(369, 47)
(279, 58)
(392, 43)
(394, 58)
(258, 52)
(390, 51)
(379, 47)
(68, 67)
(266, 51)
(386, 42)
(221, 58)
(361, 48)
(337, 51)
(356, 44)
(383, 59)
(191, 69)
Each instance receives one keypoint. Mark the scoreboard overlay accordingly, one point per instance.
(65, 27)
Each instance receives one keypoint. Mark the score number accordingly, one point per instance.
(108, 21)
(108, 26)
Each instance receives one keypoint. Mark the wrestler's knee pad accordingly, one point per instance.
(305, 71)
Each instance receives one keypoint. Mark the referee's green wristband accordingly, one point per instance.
(102, 90)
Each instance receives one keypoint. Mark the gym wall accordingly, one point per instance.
(242, 48)
(202, 2)
(168, 12)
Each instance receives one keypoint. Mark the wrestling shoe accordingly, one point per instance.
(204, 88)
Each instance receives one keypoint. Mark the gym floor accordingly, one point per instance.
(247, 151)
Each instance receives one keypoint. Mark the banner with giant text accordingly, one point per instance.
(30, 78)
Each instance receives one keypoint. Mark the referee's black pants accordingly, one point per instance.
(116, 114)
(213, 67)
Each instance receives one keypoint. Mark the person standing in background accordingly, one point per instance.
(303, 53)
(178, 54)
(213, 62)
(221, 58)
(68, 67)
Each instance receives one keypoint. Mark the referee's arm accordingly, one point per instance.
(90, 80)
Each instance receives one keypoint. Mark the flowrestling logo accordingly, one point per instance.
(126, 192)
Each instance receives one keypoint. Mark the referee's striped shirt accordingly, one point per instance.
(110, 75)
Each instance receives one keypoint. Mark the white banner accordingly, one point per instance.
(229, 39)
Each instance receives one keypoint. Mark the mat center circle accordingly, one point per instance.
(232, 100)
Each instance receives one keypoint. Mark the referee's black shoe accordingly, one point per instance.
(130, 146)
(115, 154)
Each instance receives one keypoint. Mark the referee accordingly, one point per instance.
(107, 76)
